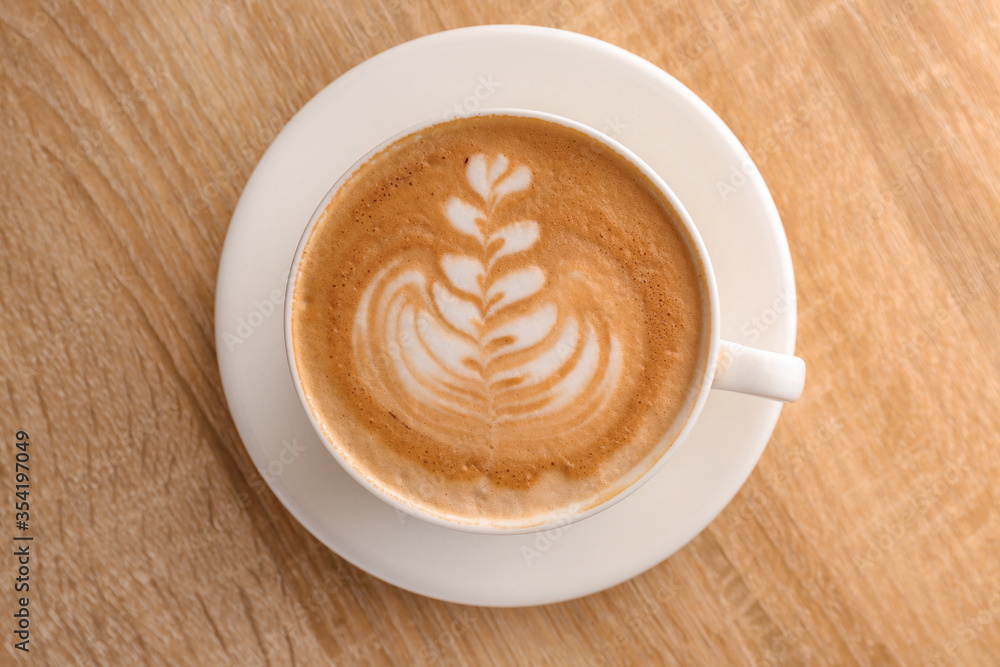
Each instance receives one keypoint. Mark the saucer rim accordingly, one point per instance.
(626, 59)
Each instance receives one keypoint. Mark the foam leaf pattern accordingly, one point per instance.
(513, 287)
(513, 238)
(453, 352)
(517, 181)
(465, 273)
(463, 217)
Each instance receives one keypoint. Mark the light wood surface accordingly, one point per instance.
(868, 534)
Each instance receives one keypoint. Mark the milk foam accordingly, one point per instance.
(498, 318)
(435, 348)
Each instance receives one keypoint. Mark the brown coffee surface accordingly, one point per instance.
(499, 318)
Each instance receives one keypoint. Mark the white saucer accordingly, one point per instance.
(502, 66)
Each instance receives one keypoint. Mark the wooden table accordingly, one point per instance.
(868, 534)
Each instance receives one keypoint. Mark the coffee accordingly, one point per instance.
(499, 317)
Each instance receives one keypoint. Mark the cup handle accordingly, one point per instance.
(752, 371)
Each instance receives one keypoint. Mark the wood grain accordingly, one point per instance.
(868, 534)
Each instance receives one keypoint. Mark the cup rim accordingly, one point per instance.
(558, 518)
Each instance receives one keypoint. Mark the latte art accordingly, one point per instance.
(498, 318)
(483, 349)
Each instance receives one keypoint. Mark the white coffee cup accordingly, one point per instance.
(726, 366)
